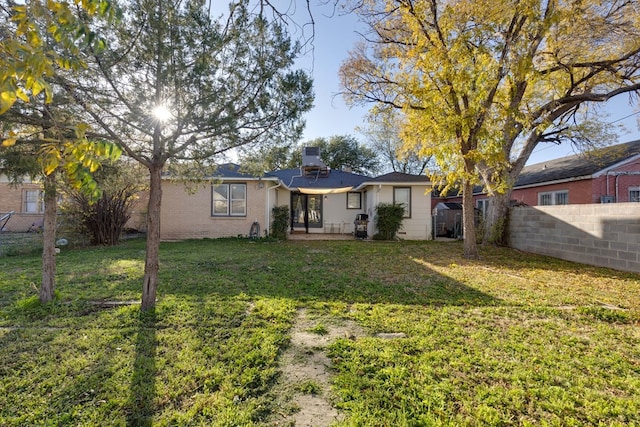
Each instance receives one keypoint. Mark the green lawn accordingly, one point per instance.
(511, 339)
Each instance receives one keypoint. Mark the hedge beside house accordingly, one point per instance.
(388, 220)
(280, 222)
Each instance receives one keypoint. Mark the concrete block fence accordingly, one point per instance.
(603, 235)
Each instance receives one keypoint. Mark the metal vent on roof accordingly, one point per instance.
(311, 156)
(311, 162)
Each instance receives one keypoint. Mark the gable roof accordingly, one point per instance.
(295, 179)
(578, 165)
(395, 177)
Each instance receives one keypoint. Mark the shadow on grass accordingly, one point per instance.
(56, 375)
(347, 272)
(142, 392)
(514, 259)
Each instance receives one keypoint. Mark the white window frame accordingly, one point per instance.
(232, 204)
(407, 207)
(33, 201)
(354, 200)
(553, 197)
(634, 197)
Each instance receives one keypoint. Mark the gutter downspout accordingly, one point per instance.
(617, 175)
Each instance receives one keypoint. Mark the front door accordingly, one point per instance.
(306, 211)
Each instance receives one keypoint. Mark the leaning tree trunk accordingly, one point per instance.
(496, 220)
(152, 263)
(48, 286)
(468, 222)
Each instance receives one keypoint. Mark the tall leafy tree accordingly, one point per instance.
(336, 152)
(483, 82)
(383, 136)
(178, 86)
(339, 151)
(48, 145)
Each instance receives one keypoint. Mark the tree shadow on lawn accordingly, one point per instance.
(519, 278)
(514, 259)
(140, 407)
(70, 380)
(318, 271)
(346, 271)
(54, 379)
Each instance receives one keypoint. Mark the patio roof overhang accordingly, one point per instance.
(323, 190)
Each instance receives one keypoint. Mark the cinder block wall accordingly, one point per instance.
(604, 235)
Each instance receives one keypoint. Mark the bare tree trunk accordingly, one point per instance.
(152, 264)
(468, 222)
(496, 220)
(48, 287)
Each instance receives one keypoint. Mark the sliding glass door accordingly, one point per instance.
(306, 210)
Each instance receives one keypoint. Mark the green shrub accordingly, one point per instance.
(103, 220)
(388, 220)
(280, 222)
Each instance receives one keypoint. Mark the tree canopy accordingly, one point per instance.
(340, 151)
(383, 134)
(39, 38)
(336, 151)
(481, 83)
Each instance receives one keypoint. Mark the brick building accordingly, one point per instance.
(608, 175)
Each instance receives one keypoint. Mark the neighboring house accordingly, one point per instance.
(320, 200)
(608, 175)
(24, 202)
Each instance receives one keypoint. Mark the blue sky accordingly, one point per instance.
(335, 35)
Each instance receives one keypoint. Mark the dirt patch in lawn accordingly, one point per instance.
(306, 369)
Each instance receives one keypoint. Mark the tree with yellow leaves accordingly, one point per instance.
(481, 83)
(39, 37)
(38, 40)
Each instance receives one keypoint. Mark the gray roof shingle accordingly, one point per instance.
(294, 178)
(231, 171)
(577, 165)
(399, 177)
